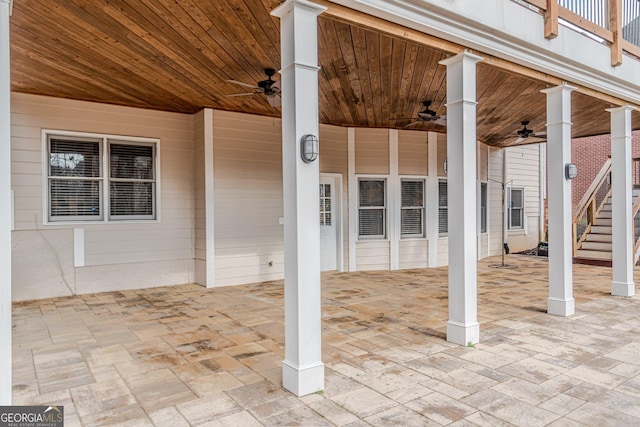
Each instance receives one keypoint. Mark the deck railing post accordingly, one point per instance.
(615, 25)
(551, 19)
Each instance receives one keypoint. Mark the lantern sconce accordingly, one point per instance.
(570, 171)
(309, 148)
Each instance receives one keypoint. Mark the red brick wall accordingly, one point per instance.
(589, 154)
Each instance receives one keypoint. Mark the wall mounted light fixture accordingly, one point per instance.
(309, 148)
(570, 171)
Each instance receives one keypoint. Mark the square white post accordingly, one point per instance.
(462, 327)
(5, 207)
(302, 369)
(560, 301)
(621, 202)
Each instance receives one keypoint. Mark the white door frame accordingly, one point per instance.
(339, 215)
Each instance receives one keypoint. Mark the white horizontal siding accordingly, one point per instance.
(523, 170)
(495, 201)
(248, 198)
(443, 251)
(372, 151)
(168, 241)
(413, 153)
(334, 159)
(414, 254)
(373, 255)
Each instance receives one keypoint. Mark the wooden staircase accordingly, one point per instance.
(592, 223)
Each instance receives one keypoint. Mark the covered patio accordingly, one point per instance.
(186, 355)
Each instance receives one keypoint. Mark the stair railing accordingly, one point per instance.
(591, 204)
(636, 228)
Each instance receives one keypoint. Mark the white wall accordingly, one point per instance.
(117, 255)
(523, 170)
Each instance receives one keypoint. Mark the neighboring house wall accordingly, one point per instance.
(589, 154)
(116, 255)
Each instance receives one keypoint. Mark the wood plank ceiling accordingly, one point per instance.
(177, 55)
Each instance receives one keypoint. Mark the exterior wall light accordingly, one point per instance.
(570, 171)
(309, 148)
(445, 166)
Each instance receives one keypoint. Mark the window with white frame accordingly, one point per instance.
(516, 208)
(443, 208)
(372, 208)
(100, 178)
(412, 208)
(483, 207)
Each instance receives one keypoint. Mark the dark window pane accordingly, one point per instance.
(411, 221)
(412, 193)
(74, 198)
(74, 158)
(371, 222)
(371, 193)
(131, 198)
(131, 161)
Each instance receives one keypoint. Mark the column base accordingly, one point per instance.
(561, 307)
(458, 333)
(303, 380)
(623, 289)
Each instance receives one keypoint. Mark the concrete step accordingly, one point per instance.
(596, 246)
(601, 229)
(594, 237)
(585, 253)
(604, 214)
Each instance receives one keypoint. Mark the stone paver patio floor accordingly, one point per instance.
(185, 355)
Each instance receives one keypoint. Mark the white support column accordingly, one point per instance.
(394, 202)
(462, 327)
(5, 207)
(621, 202)
(432, 192)
(353, 197)
(560, 301)
(302, 369)
(209, 197)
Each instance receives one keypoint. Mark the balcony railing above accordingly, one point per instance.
(615, 22)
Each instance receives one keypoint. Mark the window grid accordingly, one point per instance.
(325, 205)
(516, 208)
(372, 209)
(412, 208)
(483, 206)
(443, 208)
(90, 175)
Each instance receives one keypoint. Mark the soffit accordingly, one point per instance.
(178, 55)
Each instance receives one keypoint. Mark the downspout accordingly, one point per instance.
(5, 206)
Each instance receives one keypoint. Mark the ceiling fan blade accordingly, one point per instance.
(519, 140)
(243, 94)
(540, 134)
(442, 121)
(274, 101)
(413, 123)
(244, 84)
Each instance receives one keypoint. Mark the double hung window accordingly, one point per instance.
(372, 209)
(516, 208)
(100, 178)
(412, 208)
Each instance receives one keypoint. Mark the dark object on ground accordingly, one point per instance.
(506, 248)
(542, 249)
